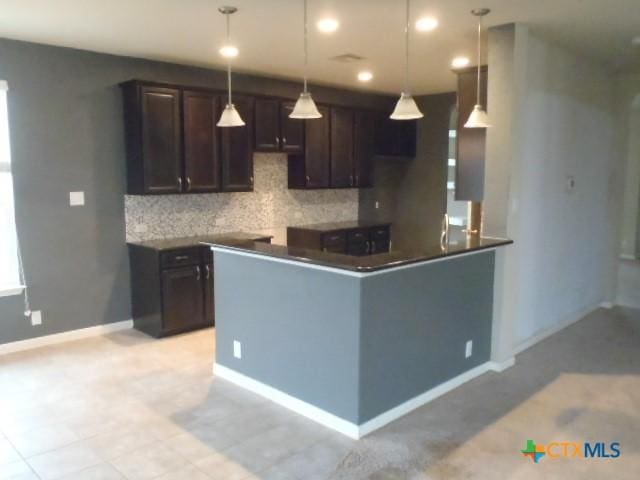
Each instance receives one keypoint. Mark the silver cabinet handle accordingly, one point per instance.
(277, 141)
(373, 247)
(197, 273)
(368, 246)
(207, 273)
(188, 183)
(179, 258)
(351, 180)
(251, 180)
(284, 140)
(308, 178)
(180, 183)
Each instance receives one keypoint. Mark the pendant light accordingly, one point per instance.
(478, 117)
(406, 108)
(230, 116)
(305, 107)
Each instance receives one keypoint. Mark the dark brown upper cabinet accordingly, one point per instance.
(201, 142)
(153, 132)
(274, 130)
(237, 149)
(267, 125)
(363, 141)
(342, 164)
(311, 169)
(173, 143)
(470, 152)
(395, 138)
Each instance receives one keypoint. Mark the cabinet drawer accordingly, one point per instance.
(331, 239)
(180, 258)
(379, 233)
(357, 236)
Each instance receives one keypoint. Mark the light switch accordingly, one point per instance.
(76, 199)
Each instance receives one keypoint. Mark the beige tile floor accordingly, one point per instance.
(124, 406)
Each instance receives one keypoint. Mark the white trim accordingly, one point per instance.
(10, 291)
(547, 332)
(56, 338)
(292, 403)
(416, 402)
(607, 305)
(4, 86)
(503, 365)
(341, 271)
(338, 424)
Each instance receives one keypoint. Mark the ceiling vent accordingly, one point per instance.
(347, 58)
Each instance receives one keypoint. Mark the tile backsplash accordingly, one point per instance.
(270, 208)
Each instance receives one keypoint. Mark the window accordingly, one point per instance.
(9, 271)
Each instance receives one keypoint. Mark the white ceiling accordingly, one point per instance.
(269, 33)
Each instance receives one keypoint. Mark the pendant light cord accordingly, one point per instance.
(229, 60)
(479, 58)
(306, 28)
(406, 47)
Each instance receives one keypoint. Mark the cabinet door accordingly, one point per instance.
(209, 297)
(317, 151)
(237, 149)
(182, 299)
(267, 128)
(292, 130)
(161, 148)
(470, 152)
(363, 138)
(395, 138)
(341, 147)
(201, 148)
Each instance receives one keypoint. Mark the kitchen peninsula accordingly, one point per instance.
(350, 341)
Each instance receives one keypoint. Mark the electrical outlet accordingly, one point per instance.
(237, 349)
(468, 349)
(36, 317)
(76, 199)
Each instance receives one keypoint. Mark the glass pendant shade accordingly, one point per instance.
(406, 108)
(305, 107)
(230, 117)
(478, 118)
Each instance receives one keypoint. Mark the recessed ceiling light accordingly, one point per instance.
(460, 62)
(426, 24)
(229, 51)
(328, 25)
(635, 41)
(365, 76)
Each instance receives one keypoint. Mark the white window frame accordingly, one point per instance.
(8, 211)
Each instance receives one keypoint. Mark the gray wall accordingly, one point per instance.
(299, 329)
(559, 122)
(415, 325)
(355, 347)
(412, 193)
(66, 135)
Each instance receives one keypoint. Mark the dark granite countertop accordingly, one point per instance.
(369, 263)
(330, 226)
(230, 238)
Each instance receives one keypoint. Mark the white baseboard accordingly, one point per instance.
(503, 365)
(538, 337)
(45, 340)
(338, 424)
(416, 402)
(627, 256)
(607, 305)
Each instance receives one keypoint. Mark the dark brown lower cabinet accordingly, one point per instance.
(183, 295)
(171, 290)
(349, 240)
